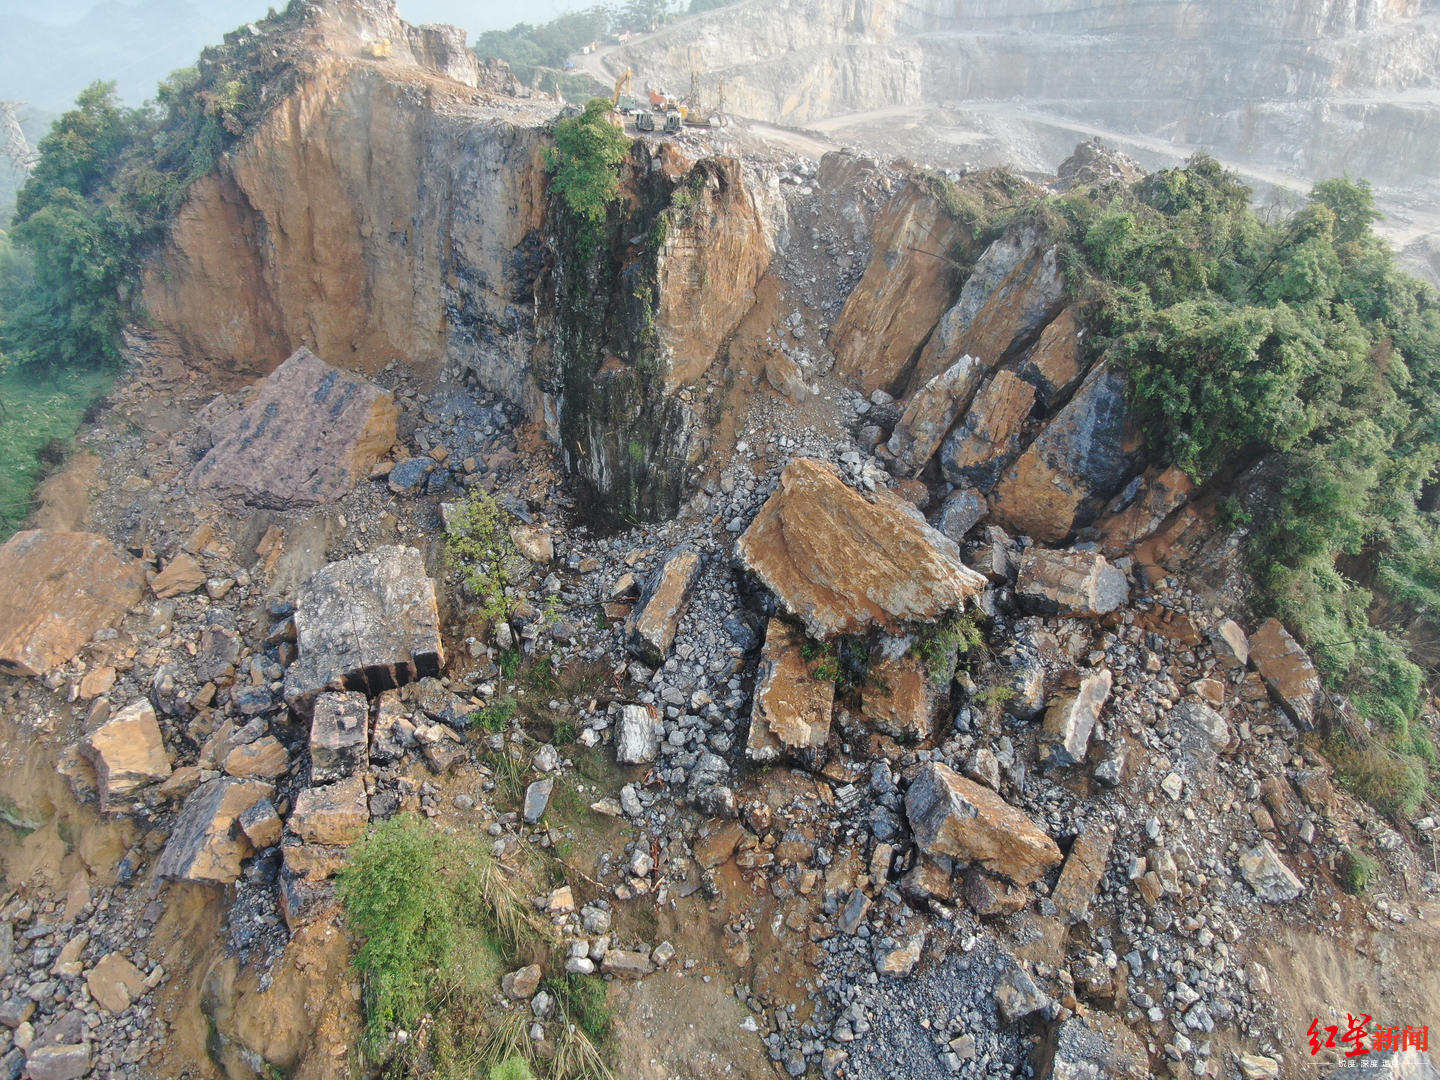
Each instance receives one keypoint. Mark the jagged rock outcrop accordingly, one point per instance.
(841, 561)
(1015, 289)
(983, 444)
(903, 293)
(1081, 458)
(56, 590)
(308, 434)
(206, 844)
(1287, 670)
(931, 412)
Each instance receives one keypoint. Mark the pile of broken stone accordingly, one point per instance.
(1137, 782)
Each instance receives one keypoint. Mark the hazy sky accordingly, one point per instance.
(51, 50)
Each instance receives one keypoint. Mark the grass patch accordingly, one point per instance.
(1358, 872)
(38, 415)
(495, 717)
(1384, 775)
(940, 646)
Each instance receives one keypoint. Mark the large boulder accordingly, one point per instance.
(982, 445)
(902, 698)
(931, 412)
(334, 815)
(1266, 873)
(792, 708)
(308, 434)
(651, 626)
(207, 843)
(1082, 457)
(1287, 671)
(1069, 583)
(950, 815)
(128, 753)
(1142, 507)
(842, 562)
(56, 590)
(1015, 289)
(1081, 874)
(368, 623)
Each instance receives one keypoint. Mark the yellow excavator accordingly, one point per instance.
(622, 86)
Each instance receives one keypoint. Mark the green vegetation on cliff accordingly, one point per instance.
(1295, 361)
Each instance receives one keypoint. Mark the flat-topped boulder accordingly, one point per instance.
(128, 753)
(842, 562)
(307, 434)
(792, 708)
(953, 816)
(57, 589)
(1065, 733)
(1069, 583)
(207, 843)
(367, 623)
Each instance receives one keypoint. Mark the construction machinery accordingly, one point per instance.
(622, 86)
(377, 50)
(644, 120)
(674, 120)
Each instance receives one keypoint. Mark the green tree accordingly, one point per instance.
(585, 163)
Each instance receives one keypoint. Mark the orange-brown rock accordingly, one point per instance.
(1135, 515)
(1053, 364)
(56, 590)
(308, 434)
(265, 758)
(1081, 874)
(1288, 673)
(951, 815)
(1082, 457)
(181, 575)
(841, 561)
(333, 815)
(901, 698)
(792, 708)
(904, 291)
(351, 221)
(1014, 290)
(716, 249)
(982, 445)
(650, 630)
(128, 753)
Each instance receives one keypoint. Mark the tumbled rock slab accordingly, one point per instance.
(261, 825)
(1070, 583)
(56, 590)
(308, 435)
(901, 698)
(792, 708)
(1081, 874)
(626, 965)
(1017, 996)
(537, 800)
(637, 737)
(950, 815)
(842, 562)
(62, 1061)
(115, 982)
(650, 629)
(333, 815)
(367, 623)
(264, 759)
(1288, 673)
(1084, 455)
(128, 753)
(961, 511)
(931, 412)
(1142, 508)
(1065, 733)
(207, 844)
(1265, 872)
(339, 736)
(1204, 733)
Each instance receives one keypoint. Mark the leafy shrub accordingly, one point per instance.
(939, 645)
(495, 716)
(478, 544)
(512, 1068)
